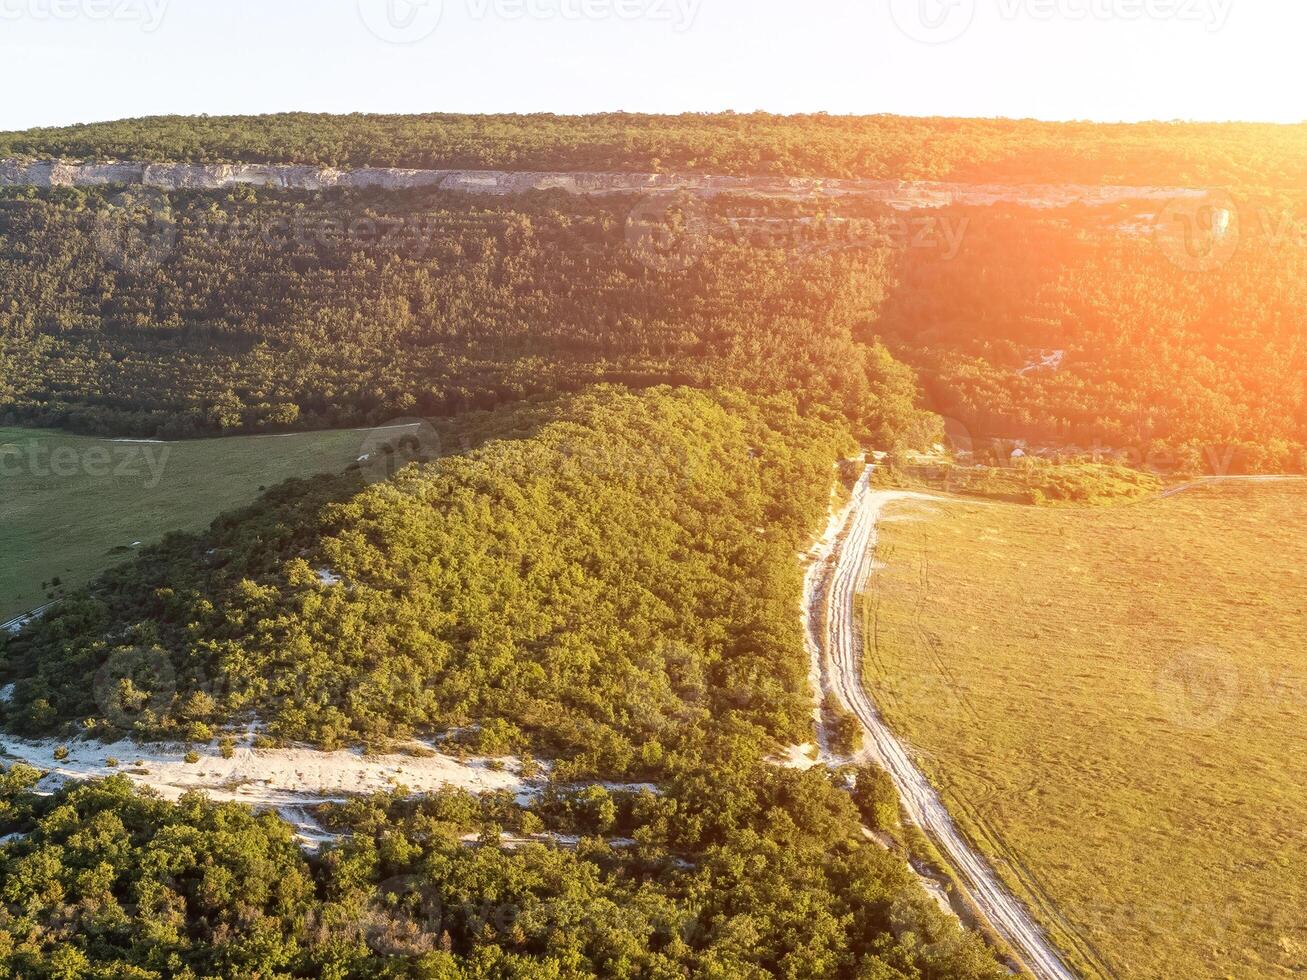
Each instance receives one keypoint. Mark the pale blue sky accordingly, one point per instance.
(65, 61)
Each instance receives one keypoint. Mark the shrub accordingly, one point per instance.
(877, 799)
(843, 727)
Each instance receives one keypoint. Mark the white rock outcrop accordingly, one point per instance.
(904, 195)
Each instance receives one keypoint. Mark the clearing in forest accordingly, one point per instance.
(71, 506)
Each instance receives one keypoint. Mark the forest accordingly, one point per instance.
(271, 311)
(884, 147)
(744, 873)
(605, 580)
(611, 584)
(1174, 370)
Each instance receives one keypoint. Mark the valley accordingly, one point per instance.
(409, 570)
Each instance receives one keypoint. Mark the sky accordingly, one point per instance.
(65, 61)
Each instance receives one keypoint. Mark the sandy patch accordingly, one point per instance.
(276, 778)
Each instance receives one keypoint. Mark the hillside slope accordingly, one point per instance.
(612, 583)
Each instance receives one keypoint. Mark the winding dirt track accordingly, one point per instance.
(18, 622)
(832, 615)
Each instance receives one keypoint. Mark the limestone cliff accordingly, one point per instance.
(897, 194)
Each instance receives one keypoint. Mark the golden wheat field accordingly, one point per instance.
(1113, 701)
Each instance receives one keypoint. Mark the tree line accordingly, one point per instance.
(883, 147)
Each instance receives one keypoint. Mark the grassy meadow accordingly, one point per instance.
(71, 506)
(1113, 701)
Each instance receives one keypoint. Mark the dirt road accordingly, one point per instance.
(18, 622)
(840, 575)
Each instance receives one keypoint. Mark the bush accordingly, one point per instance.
(877, 799)
(845, 731)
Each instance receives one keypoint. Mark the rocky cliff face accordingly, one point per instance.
(898, 194)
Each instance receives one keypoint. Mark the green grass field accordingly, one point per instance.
(1114, 703)
(72, 506)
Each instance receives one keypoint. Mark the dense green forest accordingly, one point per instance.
(273, 310)
(887, 147)
(1200, 371)
(741, 873)
(614, 586)
(282, 310)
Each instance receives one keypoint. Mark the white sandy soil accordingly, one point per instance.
(263, 777)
